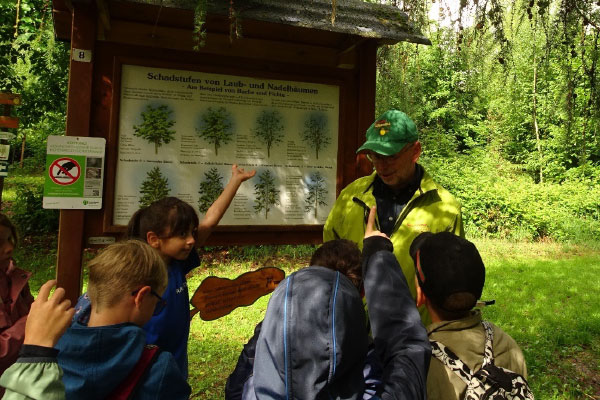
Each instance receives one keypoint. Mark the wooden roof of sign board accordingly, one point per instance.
(384, 23)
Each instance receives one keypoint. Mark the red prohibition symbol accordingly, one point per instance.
(64, 171)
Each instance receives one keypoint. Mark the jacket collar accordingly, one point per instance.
(473, 319)
(426, 185)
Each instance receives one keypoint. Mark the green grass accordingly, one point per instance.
(547, 299)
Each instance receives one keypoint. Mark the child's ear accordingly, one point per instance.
(141, 294)
(152, 239)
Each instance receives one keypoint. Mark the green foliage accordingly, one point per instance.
(266, 192)
(269, 128)
(316, 132)
(154, 187)
(155, 126)
(35, 66)
(316, 193)
(210, 189)
(216, 127)
(27, 212)
(500, 201)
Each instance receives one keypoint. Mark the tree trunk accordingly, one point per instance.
(17, 19)
(534, 110)
(22, 150)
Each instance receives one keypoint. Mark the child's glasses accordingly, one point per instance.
(161, 302)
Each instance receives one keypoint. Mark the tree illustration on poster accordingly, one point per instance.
(210, 188)
(154, 187)
(155, 126)
(316, 132)
(316, 193)
(216, 127)
(269, 128)
(266, 193)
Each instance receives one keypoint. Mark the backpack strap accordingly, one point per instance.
(451, 360)
(488, 353)
(128, 387)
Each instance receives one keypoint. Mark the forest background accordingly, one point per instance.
(507, 104)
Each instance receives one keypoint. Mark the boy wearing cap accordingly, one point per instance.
(450, 276)
(408, 200)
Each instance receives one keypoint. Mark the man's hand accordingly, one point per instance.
(49, 317)
(370, 229)
(240, 175)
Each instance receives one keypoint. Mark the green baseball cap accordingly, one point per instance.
(390, 133)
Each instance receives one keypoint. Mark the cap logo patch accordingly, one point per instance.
(384, 125)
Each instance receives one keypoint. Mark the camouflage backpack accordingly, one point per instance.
(490, 381)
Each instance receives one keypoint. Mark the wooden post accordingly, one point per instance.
(70, 230)
(366, 94)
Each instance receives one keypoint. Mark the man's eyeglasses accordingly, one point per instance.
(376, 157)
(161, 302)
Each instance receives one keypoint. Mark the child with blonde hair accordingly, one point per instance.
(109, 357)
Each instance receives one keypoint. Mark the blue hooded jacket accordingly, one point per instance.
(95, 360)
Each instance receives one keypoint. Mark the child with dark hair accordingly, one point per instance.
(450, 275)
(171, 226)
(340, 255)
(15, 297)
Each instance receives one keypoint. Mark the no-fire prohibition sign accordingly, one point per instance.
(64, 171)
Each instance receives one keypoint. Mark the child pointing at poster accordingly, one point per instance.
(171, 226)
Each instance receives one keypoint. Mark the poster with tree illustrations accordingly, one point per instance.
(180, 131)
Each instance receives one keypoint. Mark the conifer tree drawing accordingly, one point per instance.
(267, 195)
(316, 193)
(154, 187)
(269, 128)
(216, 127)
(210, 188)
(316, 132)
(156, 126)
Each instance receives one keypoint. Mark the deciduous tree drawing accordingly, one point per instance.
(156, 126)
(267, 195)
(316, 193)
(269, 128)
(216, 127)
(154, 187)
(316, 132)
(210, 188)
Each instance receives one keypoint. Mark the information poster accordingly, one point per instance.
(74, 172)
(181, 131)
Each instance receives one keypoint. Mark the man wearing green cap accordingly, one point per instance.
(408, 200)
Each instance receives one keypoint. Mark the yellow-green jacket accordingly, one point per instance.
(432, 208)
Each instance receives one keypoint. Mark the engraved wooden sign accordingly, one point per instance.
(217, 297)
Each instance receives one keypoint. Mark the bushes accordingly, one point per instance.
(28, 214)
(501, 201)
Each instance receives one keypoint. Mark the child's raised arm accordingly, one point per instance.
(217, 209)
